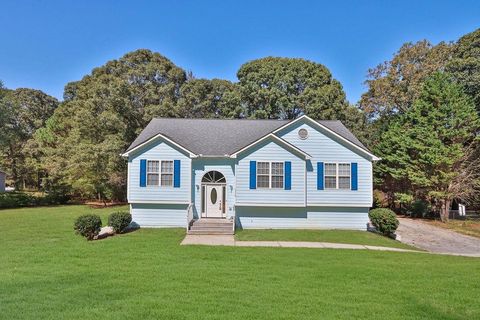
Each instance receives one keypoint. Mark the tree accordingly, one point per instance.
(22, 112)
(430, 149)
(394, 85)
(201, 98)
(285, 88)
(465, 65)
(102, 114)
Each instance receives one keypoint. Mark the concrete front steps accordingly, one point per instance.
(211, 226)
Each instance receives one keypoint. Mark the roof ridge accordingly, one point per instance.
(223, 119)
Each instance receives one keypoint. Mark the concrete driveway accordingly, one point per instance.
(437, 240)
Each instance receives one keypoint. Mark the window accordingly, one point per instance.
(270, 175)
(303, 134)
(152, 173)
(344, 175)
(337, 176)
(167, 174)
(263, 175)
(159, 173)
(330, 176)
(277, 175)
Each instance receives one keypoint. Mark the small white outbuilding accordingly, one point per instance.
(2, 181)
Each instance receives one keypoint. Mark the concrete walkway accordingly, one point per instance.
(436, 239)
(223, 240)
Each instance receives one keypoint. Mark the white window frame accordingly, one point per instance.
(151, 172)
(270, 175)
(160, 173)
(337, 176)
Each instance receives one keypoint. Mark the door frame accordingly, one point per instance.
(203, 190)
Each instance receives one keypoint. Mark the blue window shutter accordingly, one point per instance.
(176, 173)
(288, 175)
(354, 175)
(143, 173)
(319, 175)
(253, 174)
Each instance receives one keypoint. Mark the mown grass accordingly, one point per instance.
(48, 272)
(336, 236)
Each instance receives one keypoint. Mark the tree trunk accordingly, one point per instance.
(445, 209)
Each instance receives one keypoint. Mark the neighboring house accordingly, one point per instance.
(2, 181)
(301, 174)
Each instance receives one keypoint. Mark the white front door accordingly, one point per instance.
(214, 196)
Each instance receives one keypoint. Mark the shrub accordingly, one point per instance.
(384, 220)
(88, 225)
(419, 209)
(22, 199)
(119, 221)
(16, 199)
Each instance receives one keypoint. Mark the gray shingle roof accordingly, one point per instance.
(219, 137)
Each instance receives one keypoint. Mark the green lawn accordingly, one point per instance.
(48, 272)
(337, 236)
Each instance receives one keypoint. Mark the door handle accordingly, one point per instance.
(220, 206)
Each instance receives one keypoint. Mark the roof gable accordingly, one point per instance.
(335, 130)
(284, 144)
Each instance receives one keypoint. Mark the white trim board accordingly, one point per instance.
(157, 202)
(286, 205)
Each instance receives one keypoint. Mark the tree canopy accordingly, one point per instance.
(22, 112)
(465, 65)
(429, 150)
(202, 98)
(284, 88)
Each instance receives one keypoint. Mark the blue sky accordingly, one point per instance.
(46, 44)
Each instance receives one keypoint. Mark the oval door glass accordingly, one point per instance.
(213, 196)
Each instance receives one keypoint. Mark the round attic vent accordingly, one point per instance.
(303, 134)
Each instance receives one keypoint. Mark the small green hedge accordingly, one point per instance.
(22, 199)
(119, 221)
(88, 225)
(384, 220)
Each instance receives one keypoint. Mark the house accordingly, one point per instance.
(300, 174)
(2, 181)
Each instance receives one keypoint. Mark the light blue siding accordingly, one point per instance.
(200, 166)
(270, 151)
(159, 215)
(324, 147)
(302, 218)
(159, 150)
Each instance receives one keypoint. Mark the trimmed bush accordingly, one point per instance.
(88, 226)
(119, 221)
(384, 220)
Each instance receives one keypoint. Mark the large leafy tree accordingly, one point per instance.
(430, 149)
(101, 115)
(284, 88)
(202, 98)
(394, 85)
(22, 113)
(465, 65)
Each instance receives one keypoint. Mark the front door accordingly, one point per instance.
(214, 196)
